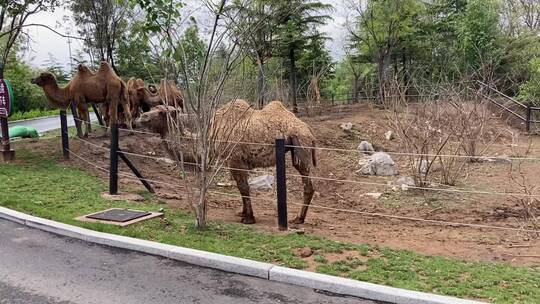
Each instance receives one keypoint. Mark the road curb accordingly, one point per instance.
(237, 265)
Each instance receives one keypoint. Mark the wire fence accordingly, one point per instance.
(326, 179)
(356, 151)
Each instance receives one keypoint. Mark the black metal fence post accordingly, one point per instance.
(113, 170)
(76, 118)
(281, 184)
(528, 122)
(135, 171)
(64, 130)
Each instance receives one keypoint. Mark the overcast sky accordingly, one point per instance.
(44, 42)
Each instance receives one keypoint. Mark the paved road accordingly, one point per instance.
(38, 267)
(48, 124)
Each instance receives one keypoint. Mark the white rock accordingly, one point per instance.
(405, 181)
(380, 164)
(375, 195)
(366, 147)
(263, 182)
(389, 135)
(346, 126)
(363, 161)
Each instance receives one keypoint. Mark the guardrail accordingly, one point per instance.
(527, 107)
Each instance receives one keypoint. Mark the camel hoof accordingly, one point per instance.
(248, 220)
(297, 220)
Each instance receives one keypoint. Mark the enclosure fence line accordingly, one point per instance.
(365, 213)
(416, 219)
(447, 223)
(168, 160)
(429, 155)
(314, 177)
(281, 149)
(133, 177)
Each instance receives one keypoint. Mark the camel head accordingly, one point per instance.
(152, 88)
(44, 79)
(155, 120)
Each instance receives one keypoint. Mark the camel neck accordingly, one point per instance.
(56, 95)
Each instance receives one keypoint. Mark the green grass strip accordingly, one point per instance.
(40, 186)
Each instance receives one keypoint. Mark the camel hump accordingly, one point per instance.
(81, 68)
(104, 66)
(275, 104)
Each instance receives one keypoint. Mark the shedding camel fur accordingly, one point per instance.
(244, 138)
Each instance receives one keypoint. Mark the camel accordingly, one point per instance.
(59, 97)
(170, 94)
(239, 123)
(103, 87)
(145, 98)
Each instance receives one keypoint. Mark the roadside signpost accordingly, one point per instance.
(6, 99)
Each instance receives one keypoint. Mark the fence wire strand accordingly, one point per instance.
(399, 217)
(429, 155)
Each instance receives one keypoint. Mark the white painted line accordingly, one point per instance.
(237, 265)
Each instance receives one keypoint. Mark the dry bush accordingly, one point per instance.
(528, 202)
(420, 129)
(446, 130)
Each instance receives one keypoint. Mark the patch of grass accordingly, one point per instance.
(36, 113)
(321, 259)
(40, 186)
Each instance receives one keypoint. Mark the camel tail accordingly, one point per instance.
(300, 154)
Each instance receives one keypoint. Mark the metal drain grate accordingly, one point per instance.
(118, 215)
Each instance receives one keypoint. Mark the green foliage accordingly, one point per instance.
(479, 34)
(160, 14)
(135, 58)
(530, 90)
(36, 113)
(27, 95)
(191, 52)
(53, 66)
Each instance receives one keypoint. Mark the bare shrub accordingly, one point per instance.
(528, 202)
(421, 133)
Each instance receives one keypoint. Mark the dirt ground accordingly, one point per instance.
(470, 243)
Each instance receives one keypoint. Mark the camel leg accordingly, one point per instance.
(104, 112)
(124, 101)
(304, 169)
(84, 115)
(241, 179)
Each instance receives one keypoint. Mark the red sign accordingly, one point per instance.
(4, 99)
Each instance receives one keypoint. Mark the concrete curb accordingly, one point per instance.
(236, 265)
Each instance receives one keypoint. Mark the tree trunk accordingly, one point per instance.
(380, 72)
(355, 90)
(404, 71)
(260, 83)
(292, 79)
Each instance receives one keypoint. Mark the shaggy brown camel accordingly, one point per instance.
(149, 97)
(170, 94)
(239, 123)
(102, 87)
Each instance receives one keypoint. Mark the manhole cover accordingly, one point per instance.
(118, 215)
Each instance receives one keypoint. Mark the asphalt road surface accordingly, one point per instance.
(49, 123)
(38, 267)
